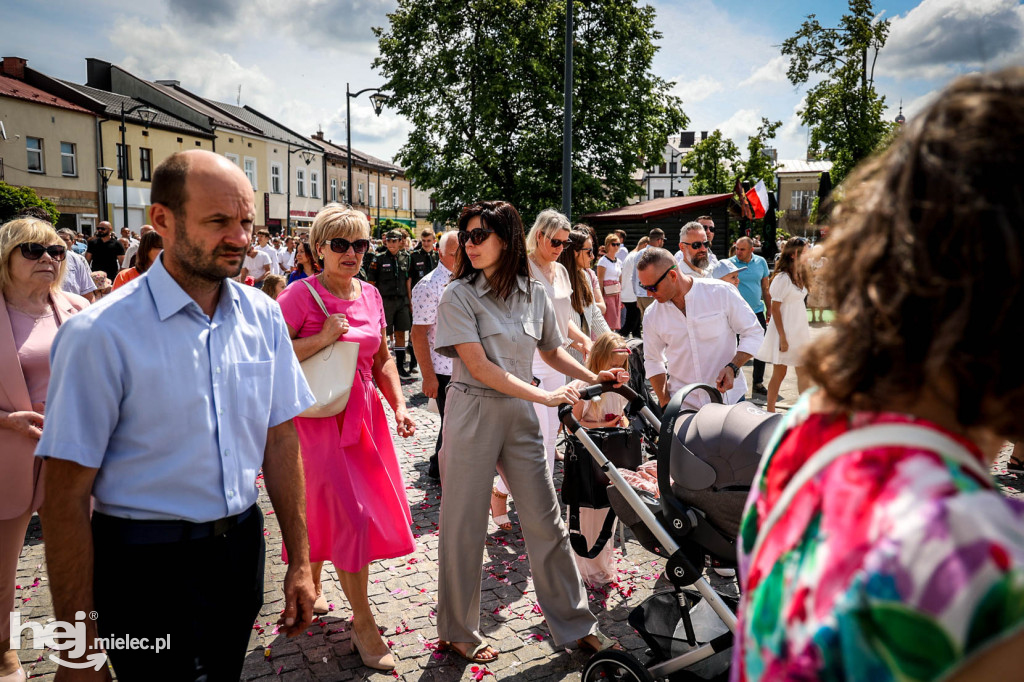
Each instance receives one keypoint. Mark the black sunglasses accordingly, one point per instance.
(477, 236)
(559, 243)
(339, 245)
(613, 245)
(34, 251)
(653, 288)
(697, 245)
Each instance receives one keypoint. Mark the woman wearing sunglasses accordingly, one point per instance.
(609, 273)
(33, 307)
(356, 509)
(548, 237)
(492, 321)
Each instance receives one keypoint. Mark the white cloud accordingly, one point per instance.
(772, 72)
(741, 125)
(941, 38)
(696, 90)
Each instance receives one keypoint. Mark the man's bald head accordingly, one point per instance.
(171, 176)
(448, 248)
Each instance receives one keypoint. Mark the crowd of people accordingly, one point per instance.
(860, 571)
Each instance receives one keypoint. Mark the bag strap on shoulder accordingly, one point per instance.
(904, 435)
(319, 301)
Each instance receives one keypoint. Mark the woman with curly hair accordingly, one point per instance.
(875, 544)
(788, 331)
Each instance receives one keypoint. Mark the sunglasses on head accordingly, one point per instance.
(34, 251)
(697, 245)
(477, 236)
(653, 288)
(339, 245)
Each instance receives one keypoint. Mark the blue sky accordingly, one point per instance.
(292, 58)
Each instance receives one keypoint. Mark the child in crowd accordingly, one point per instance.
(609, 352)
(273, 285)
(727, 270)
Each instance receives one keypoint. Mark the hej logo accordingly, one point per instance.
(59, 635)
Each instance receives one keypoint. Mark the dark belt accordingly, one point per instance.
(152, 532)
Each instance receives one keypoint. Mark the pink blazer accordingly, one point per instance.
(21, 485)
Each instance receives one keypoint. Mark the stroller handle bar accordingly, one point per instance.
(589, 393)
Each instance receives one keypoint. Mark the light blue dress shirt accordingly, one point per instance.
(172, 407)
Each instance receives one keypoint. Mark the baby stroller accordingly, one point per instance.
(706, 459)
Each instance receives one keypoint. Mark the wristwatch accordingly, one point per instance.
(735, 370)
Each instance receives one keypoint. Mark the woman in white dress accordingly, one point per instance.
(609, 271)
(788, 330)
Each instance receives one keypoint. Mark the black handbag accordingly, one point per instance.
(584, 484)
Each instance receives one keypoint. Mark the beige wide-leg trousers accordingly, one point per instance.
(482, 432)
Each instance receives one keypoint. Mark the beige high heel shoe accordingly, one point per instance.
(382, 662)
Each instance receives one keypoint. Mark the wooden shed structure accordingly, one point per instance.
(669, 214)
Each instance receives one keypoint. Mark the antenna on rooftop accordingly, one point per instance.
(238, 100)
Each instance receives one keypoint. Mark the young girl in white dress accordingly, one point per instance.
(788, 330)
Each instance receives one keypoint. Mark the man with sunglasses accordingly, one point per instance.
(656, 239)
(103, 251)
(709, 229)
(694, 247)
(389, 272)
(690, 331)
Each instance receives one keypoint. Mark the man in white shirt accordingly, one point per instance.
(690, 332)
(709, 228)
(256, 265)
(694, 246)
(78, 277)
(656, 239)
(435, 369)
(631, 318)
(263, 238)
(623, 251)
(286, 256)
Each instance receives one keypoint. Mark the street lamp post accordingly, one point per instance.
(673, 155)
(308, 157)
(148, 116)
(378, 99)
(105, 173)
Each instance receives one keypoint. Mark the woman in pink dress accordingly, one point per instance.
(356, 509)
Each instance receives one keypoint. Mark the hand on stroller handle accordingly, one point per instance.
(589, 393)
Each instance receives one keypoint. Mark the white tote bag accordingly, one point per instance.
(330, 372)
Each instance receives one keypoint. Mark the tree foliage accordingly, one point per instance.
(759, 166)
(14, 200)
(711, 161)
(843, 109)
(480, 81)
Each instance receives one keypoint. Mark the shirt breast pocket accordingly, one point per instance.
(533, 327)
(253, 389)
(711, 327)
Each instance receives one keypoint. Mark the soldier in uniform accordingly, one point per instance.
(422, 260)
(389, 272)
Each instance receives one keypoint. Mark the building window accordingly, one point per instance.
(344, 190)
(275, 178)
(659, 194)
(360, 192)
(34, 146)
(145, 164)
(334, 189)
(405, 198)
(300, 182)
(124, 169)
(250, 171)
(802, 200)
(384, 196)
(661, 168)
(314, 185)
(235, 159)
(373, 194)
(394, 197)
(673, 168)
(68, 165)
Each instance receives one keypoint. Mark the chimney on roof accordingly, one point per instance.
(13, 67)
(170, 82)
(318, 135)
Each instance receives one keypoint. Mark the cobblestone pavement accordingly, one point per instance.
(404, 593)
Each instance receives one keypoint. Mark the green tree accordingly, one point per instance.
(843, 110)
(711, 160)
(481, 84)
(14, 200)
(759, 166)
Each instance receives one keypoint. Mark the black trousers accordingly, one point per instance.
(203, 595)
(634, 319)
(758, 364)
(442, 389)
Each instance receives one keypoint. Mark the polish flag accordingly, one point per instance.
(758, 198)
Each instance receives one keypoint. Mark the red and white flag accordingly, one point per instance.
(758, 198)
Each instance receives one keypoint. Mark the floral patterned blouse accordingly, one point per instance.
(893, 563)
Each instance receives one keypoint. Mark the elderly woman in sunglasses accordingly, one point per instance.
(492, 321)
(356, 509)
(33, 307)
(548, 237)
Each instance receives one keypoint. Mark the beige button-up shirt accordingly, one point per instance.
(510, 330)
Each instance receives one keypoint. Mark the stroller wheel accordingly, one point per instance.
(611, 665)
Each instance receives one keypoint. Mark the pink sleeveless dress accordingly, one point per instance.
(356, 508)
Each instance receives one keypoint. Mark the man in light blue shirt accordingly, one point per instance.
(191, 387)
(754, 290)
